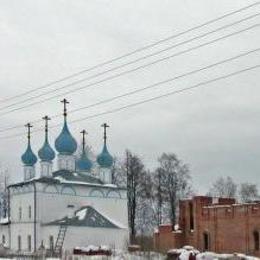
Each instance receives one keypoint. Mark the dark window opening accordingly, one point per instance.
(30, 212)
(256, 241)
(191, 216)
(20, 213)
(51, 243)
(19, 243)
(206, 241)
(3, 239)
(29, 243)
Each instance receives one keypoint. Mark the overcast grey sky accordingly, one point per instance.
(215, 129)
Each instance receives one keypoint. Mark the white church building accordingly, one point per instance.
(73, 206)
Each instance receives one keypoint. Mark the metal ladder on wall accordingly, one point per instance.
(60, 240)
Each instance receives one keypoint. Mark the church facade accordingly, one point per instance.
(67, 208)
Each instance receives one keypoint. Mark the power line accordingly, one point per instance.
(170, 93)
(145, 88)
(130, 62)
(132, 70)
(150, 99)
(131, 53)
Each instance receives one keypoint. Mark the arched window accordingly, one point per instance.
(29, 239)
(206, 241)
(256, 240)
(20, 213)
(19, 242)
(3, 239)
(51, 243)
(30, 212)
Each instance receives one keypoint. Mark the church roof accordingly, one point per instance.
(65, 142)
(66, 175)
(61, 181)
(46, 153)
(105, 159)
(83, 164)
(29, 158)
(86, 216)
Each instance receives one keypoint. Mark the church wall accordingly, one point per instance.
(20, 207)
(4, 235)
(84, 236)
(22, 230)
(57, 201)
(22, 218)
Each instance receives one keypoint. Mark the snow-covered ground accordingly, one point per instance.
(187, 251)
(182, 253)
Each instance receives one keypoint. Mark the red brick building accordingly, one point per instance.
(214, 224)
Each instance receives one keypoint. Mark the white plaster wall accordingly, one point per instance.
(52, 205)
(23, 230)
(55, 205)
(25, 225)
(84, 236)
(24, 201)
(4, 231)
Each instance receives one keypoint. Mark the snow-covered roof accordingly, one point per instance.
(78, 177)
(231, 205)
(70, 177)
(87, 216)
(4, 220)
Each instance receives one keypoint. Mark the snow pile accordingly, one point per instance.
(213, 256)
(189, 252)
(88, 248)
(140, 255)
(93, 250)
(110, 185)
(4, 220)
(176, 227)
(156, 231)
(59, 178)
(183, 253)
(81, 214)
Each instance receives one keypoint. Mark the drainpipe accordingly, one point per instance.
(8, 215)
(35, 217)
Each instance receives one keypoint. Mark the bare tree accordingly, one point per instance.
(174, 180)
(248, 192)
(144, 216)
(134, 169)
(131, 174)
(224, 188)
(159, 197)
(3, 193)
(118, 172)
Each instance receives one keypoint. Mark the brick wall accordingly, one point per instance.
(164, 238)
(212, 224)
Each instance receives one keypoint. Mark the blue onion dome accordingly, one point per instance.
(65, 142)
(105, 160)
(46, 153)
(29, 158)
(83, 163)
